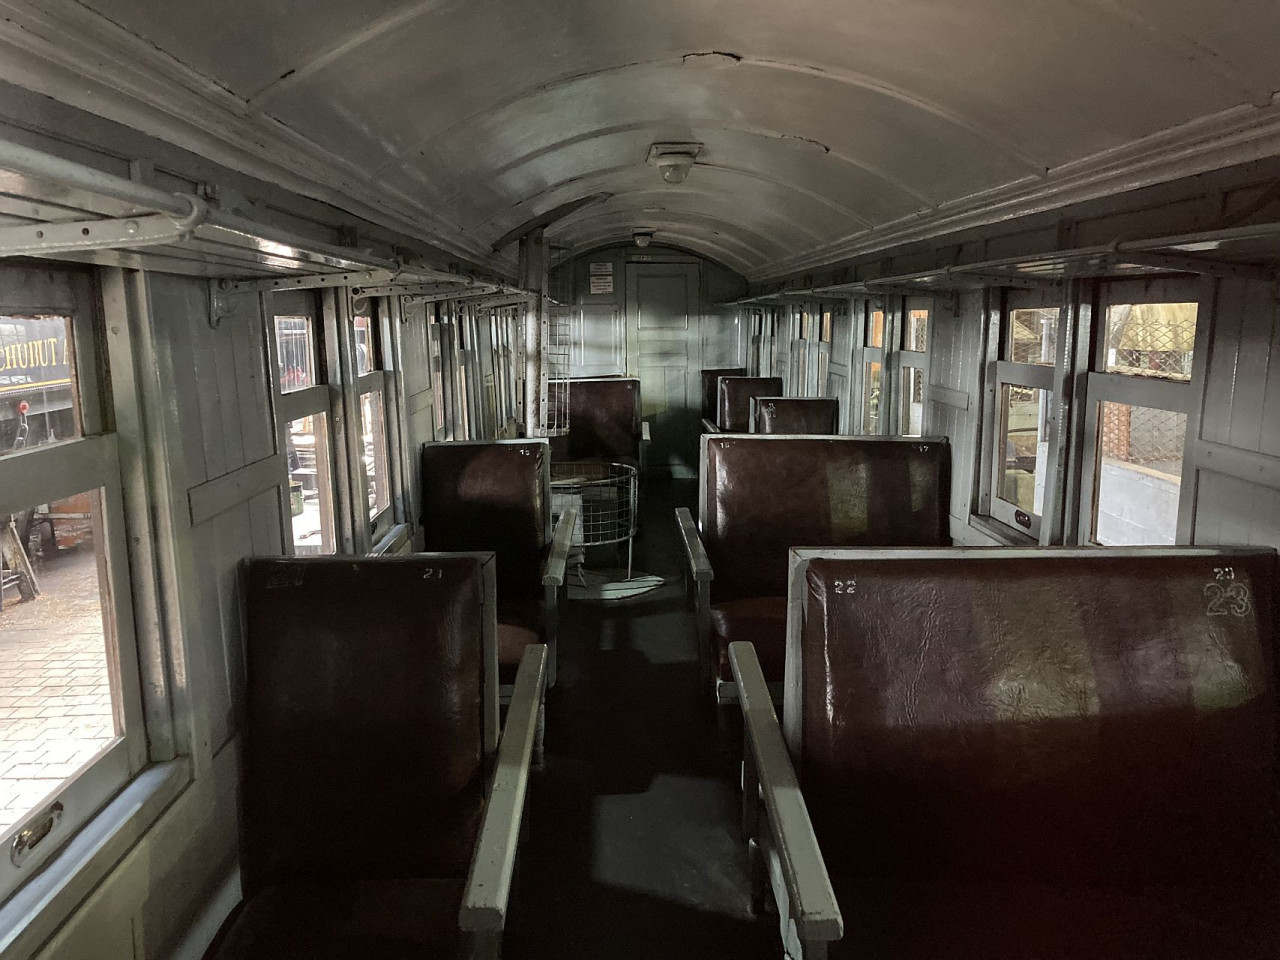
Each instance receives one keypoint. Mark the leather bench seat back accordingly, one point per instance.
(710, 387)
(363, 743)
(1041, 718)
(490, 496)
(733, 408)
(764, 495)
(604, 421)
(804, 415)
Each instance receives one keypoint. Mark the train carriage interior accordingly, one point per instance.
(685, 480)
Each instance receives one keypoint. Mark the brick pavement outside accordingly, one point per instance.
(55, 697)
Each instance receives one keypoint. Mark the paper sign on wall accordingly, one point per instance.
(601, 276)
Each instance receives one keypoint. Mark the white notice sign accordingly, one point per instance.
(602, 284)
(604, 269)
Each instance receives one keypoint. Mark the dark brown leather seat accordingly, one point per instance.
(796, 415)
(604, 421)
(494, 496)
(764, 495)
(711, 388)
(733, 409)
(1046, 755)
(364, 768)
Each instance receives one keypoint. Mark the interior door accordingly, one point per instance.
(664, 351)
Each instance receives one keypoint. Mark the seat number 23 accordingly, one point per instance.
(1227, 596)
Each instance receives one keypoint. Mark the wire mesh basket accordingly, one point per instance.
(605, 495)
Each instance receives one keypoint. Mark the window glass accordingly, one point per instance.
(1139, 473)
(367, 358)
(58, 708)
(917, 332)
(875, 329)
(1151, 339)
(1024, 436)
(374, 435)
(1033, 335)
(825, 333)
(912, 401)
(39, 401)
(871, 398)
(310, 485)
(296, 352)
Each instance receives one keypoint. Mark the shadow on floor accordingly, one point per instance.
(633, 848)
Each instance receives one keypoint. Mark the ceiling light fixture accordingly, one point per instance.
(674, 160)
(642, 237)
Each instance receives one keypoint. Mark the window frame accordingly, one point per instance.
(380, 379)
(905, 359)
(92, 462)
(1179, 396)
(1037, 376)
(321, 398)
(867, 353)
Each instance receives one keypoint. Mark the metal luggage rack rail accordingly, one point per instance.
(53, 207)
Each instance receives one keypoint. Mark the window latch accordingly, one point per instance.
(33, 834)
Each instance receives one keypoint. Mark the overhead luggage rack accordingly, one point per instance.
(1240, 253)
(52, 207)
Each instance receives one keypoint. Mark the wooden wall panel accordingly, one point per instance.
(1231, 511)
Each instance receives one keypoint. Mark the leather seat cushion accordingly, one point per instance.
(366, 920)
(906, 921)
(520, 623)
(758, 620)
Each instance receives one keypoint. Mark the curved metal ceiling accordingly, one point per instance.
(821, 121)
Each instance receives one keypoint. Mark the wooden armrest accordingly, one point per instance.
(699, 562)
(561, 541)
(813, 901)
(709, 426)
(484, 902)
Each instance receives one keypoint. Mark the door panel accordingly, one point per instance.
(599, 342)
(663, 345)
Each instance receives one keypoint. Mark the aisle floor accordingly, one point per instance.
(633, 848)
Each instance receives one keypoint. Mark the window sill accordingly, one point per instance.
(393, 542)
(36, 910)
(1000, 533)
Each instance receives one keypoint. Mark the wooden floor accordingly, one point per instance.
(633, 849)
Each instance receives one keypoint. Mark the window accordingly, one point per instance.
(912, 410)
(913, 364)
(1023, 445)
(916, 333)
(1150, 340)
(871, 397)
(372, 457)
(310, 485)
(1033, 335)
(1138, 398)
(822, 386)
(1139, 474)
(304, 421)
(875, 328)
(871, 364)
(1024, 438)
(1119, 448)
(373, 439)
(71, 732)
